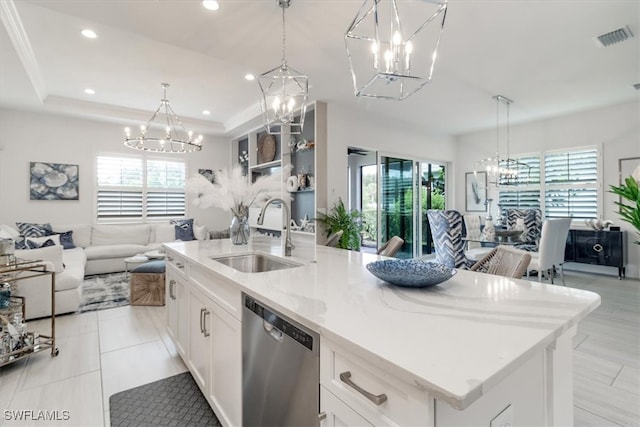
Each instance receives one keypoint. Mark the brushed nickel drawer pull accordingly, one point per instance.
(169, 258)
(598, 247)
(379, 399)
(204, 323)
(179, 265)
(172, 291)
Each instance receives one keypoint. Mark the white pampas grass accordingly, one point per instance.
(233, 191)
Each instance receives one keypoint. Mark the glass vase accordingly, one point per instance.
(239, 230)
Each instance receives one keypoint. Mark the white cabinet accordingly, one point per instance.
(203, 319)
(336, 413)
(177, 299)
(226, 366)
(370, 391)
(199, 361)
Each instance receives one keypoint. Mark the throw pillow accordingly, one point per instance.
(28, 229)
(184, 229)
(66, 239)
(41, 242)
(52, 254)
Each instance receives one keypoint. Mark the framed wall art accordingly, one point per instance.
(476, 191)
(53, 181)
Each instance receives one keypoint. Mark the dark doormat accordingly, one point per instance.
(173, 401)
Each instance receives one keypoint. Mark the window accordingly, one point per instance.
(571, 184)
(139, 189)
(561, 183)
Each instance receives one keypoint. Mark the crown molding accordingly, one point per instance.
(20, 40)
(122, 115)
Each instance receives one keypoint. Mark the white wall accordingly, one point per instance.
(346, 127)
(616, 129)
(33, 137)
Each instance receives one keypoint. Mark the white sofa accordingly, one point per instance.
(99, 249)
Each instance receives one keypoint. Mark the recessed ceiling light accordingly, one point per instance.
(250, 77)
(210, 4)
(206, 112)
(89, 91)
(88, 33)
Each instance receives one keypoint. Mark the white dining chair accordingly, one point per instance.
(552, 244)
(474, 250)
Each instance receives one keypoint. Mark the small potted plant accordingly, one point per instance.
(339, 218)
(629, 212)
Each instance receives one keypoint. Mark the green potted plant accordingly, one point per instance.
(629, 212)
(339, 218)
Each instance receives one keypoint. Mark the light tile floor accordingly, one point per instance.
(102, 353)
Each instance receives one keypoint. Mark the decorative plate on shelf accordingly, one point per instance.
(266, 148)
(411, 273)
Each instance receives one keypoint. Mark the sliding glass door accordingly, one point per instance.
(397, 182)
(407, 188)
(393, 193)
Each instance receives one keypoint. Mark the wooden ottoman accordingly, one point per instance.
(146, 284)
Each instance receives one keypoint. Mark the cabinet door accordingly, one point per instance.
(226, 366)
(177, 302)
(199, 360)
(172, 306)
(182, 317)
(336, 413)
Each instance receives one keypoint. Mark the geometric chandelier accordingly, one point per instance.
(503, 170)
(173, 139)
(284, 93)
(391, 50)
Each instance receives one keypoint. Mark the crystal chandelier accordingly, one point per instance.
(503, 170)
(176, 139)
(284, 93)
(392, 55)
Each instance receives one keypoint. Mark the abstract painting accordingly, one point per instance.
(53, 181)
(476, 191)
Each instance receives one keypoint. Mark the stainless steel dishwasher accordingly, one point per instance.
(280, 369)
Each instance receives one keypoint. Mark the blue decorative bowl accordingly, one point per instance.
(411, 273)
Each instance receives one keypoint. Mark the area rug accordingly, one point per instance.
(173, 401)
(104, 291)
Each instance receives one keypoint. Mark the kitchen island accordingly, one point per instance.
(474, 350)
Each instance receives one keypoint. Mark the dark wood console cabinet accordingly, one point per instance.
(605, 247)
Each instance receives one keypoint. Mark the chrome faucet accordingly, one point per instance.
(287, 225)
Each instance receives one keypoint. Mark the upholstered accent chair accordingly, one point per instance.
(533, 226)
(446, 230)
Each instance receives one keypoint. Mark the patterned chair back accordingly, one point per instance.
(446, 230)
(532, 223)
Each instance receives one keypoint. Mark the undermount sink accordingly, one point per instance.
(255, 262)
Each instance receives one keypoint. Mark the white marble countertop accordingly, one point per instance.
(456, 340)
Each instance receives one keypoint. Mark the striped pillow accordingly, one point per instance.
(28, 229)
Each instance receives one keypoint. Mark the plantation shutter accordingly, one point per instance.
(571, 188)
(130, 188)
(120, 187)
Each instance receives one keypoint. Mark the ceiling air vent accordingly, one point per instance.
(613, 37)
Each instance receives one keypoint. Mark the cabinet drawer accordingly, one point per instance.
(222, 291)
(177, 262)
(337, 413)
(377, 395)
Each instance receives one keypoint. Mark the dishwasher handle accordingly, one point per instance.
(274, 332)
